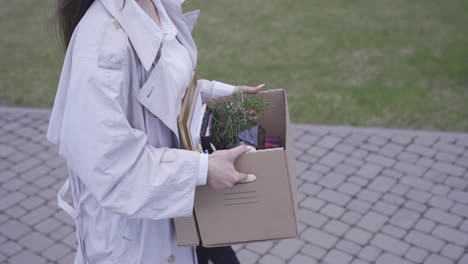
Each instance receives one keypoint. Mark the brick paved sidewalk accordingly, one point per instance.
(366, 196)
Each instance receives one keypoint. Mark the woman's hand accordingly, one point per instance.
(249, 89)
(221, 171)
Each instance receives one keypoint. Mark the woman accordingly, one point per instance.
(125, 72)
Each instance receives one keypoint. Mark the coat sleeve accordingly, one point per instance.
(114, 161)
(213, 89)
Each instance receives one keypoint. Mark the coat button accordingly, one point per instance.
(171, 259)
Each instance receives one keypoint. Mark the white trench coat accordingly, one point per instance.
(127, 182)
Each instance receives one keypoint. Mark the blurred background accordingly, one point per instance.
(388, 63)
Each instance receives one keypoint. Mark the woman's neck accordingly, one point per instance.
(150, 9)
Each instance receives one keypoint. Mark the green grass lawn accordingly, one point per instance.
(387, 63)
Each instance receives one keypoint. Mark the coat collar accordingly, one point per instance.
(145, 39)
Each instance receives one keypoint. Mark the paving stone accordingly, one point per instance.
(348, 247)
(313, 251)
(440, 202)
(435, 176)
(302, 259)
(377, 140)
(404, 218)
(385, 208)
(332, 210)
(400, 189)
(311, 218)
(32, 202)
(269, 259)
(369, 253)
(15, 211)
(460, 209)
(317, 151)
(369, 171)
(337, 257)
(462, 161)
(354, 161)
(36, 241)
(311, 176)
(394, 231)
(409, 168)
(332, 180)
(421, 150)
(25, 165)
(382, 184)
(418, 196)
(332, 159)
(14, 229)
(333, 197)
(368, 195)
(451, 235)
(300, 167)
(425, 162)
(61, 232)
(29, 189)
(286, 249)
(390, 150)
(369, 147)
(449, 148)
(351, 217)
(425, 225)
(345, 169)
(10, 248)
(416, 254)
(309, 188)
(448, 168)
(394, 199)
(456, 182)
(312, 203)
(359, 181)
(440, 190)
(13, 184)
(408, 157)
(37, 215)
(416, 182)
(48, 225)
(372, 221)
(425, 241)
(328, 142)
(345, 149)
(358, 206)
(355, 140)
(452, 251)
(464, 259)
(390, 244)
(359, 261)
(319, 238)
(445, 157)
(10, 200)
(321, 168)
(418, 207)
(349, 188)
(437, 259)
(402, 140)
(459, 196)
(27, 257)
(358, 236)
(443, 217)
(247, 256)
(336, 227)
(464, 226)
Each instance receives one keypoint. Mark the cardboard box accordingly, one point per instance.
(265, 209)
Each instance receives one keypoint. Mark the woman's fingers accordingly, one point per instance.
(250, 89)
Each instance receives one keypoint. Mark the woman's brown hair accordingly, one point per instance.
(69, 14)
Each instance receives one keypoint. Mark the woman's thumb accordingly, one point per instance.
(237, 151)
